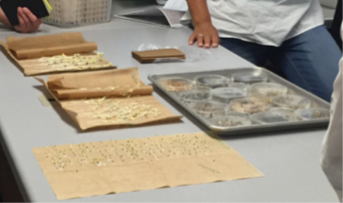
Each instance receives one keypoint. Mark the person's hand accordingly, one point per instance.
(206, 35)
(28, 22)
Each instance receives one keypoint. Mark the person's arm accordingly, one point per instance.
(28, 22)
(204, 32)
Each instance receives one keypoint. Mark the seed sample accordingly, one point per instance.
(176, 84)
(276, 115)
(241, 86)
(250, 77)
(114, 111)
(64, 63)
(268, 89)
(118, 166)
(210, 109)
(195, 94)
(212, 81)
(227, 94)
(291, 102)
(313, 114)
(231, 119)
(249, 105)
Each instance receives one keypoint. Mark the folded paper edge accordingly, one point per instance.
(162, 121)
(72, 114)
(73, 35)
(57, 50)
(53, 79)
(5, 46)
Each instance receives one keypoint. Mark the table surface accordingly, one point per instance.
(289, 161)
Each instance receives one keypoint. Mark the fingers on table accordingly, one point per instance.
(215, 41)
(28, 22)
(34, 22)
(22, 21)
(206, 41)
(192, 39)
(196, 37)
(200, 39)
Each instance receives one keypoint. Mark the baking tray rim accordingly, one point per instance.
(274, 126)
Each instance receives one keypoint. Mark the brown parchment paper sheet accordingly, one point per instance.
(100, 168)
(28, 51)
(108, 98)
(121, 82)
(49, 45)
(151, 55)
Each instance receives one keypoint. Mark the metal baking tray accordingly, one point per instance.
(252, 129)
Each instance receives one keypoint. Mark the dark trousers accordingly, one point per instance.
(336, 24)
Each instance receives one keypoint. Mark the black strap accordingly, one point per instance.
(336, 24)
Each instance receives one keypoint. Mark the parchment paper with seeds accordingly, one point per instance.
(55, 53)
(91, 169)
(108, 98)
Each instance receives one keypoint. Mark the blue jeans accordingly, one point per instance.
(309, 60)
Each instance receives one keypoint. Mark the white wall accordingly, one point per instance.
(329, 3)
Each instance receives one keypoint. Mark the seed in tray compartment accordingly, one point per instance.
(231, 119)
(250, 77)
(313, 113)
(268, 89)
(292, 102)
(226, 94)
(249, 105)
(176, 84)
(275, 115)
(210, 109)
(195, 94)
(241, 86)
(212, 81)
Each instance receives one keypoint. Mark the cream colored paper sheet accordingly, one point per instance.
(92, 169)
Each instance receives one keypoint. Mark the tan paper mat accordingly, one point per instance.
(100, 168)
(55, 53)
(108, 98)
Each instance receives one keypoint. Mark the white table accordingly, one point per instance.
(290, 161)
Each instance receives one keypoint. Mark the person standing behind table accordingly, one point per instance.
(331, 160)
(289, 33)
(28, 21)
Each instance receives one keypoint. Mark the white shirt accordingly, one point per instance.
(332, 146)
(265, 22)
